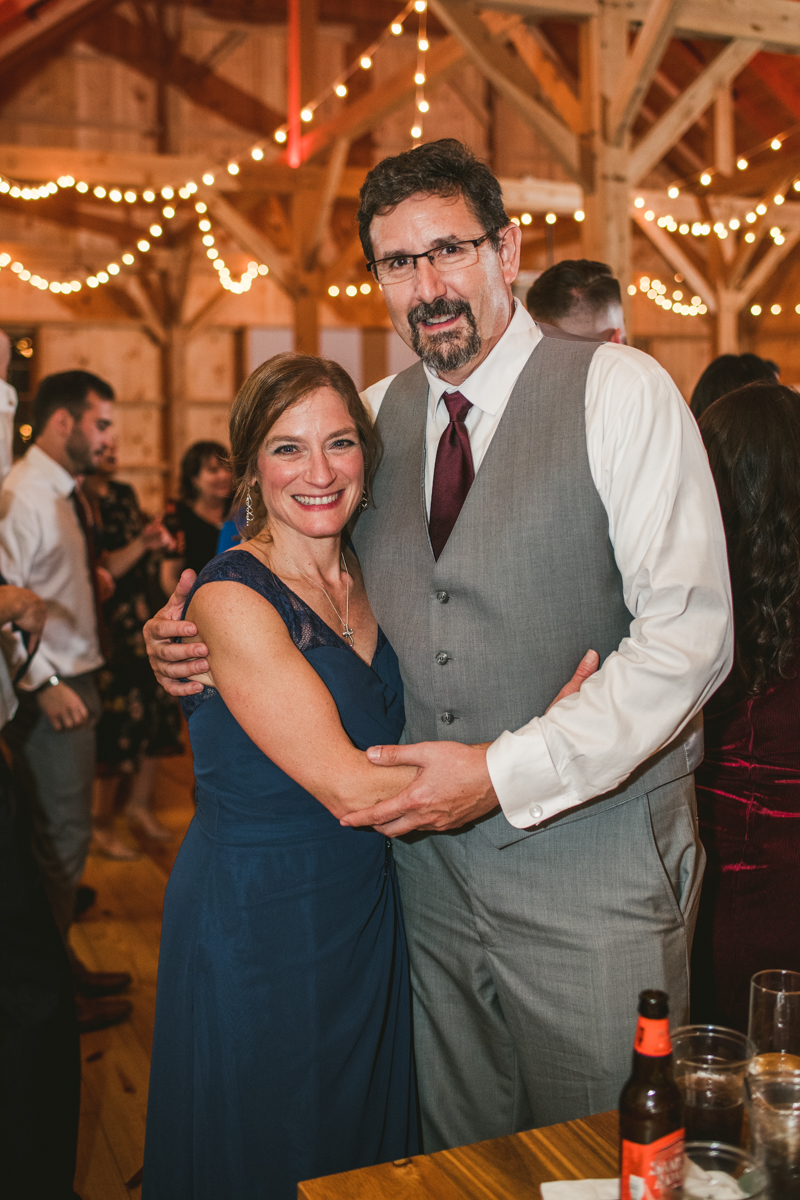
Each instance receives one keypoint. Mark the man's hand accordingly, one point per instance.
(170, 661)
(452, 786)
(63, 707)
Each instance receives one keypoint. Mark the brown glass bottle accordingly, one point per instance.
(650, 1107)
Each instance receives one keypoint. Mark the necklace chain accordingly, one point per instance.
(347, 632)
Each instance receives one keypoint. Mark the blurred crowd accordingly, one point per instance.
(83, 567)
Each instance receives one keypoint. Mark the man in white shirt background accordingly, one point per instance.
(553, 866)
(581, 298)
(8, 407)
(46, 545)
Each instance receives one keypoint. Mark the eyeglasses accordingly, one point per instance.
(450, 257)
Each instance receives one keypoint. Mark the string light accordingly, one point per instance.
(656, 291)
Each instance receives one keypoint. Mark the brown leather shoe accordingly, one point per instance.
(101, 1012)
(98, 983)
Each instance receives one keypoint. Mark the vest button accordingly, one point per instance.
(447, 718)
(536, 811)
(442, 597)
(442, 657)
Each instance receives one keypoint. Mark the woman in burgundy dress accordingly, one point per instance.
(748, 787)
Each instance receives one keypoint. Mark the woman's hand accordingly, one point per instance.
(586, 667)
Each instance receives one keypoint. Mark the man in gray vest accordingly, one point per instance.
(537, 498)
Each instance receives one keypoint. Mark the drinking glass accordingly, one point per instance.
(775, 1016)
(775, 1129)
(708, 1171)
(710, 1065)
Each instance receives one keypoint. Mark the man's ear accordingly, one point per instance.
(618, 337)
(61, 422)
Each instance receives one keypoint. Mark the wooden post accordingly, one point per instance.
(605, 233)
(305, 208)
(728, 307)
(374, 355)
(724, 151)
(173, 370)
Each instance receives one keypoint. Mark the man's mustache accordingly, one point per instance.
(442, 307)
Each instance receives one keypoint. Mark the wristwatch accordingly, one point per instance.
(51, 682)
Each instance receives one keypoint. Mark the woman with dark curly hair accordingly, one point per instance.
(196, 517)
(748, 787)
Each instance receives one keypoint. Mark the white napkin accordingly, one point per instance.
(704, 1185)
(581, 1189)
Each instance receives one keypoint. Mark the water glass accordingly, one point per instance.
(774, 1025)
(708, 1171)
(775, 1129)
(710, 1065)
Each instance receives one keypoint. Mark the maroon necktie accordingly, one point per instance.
(84, 515)
(453, 474)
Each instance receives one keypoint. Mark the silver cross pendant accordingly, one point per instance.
(348, 635)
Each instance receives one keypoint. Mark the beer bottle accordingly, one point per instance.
(650, 1107)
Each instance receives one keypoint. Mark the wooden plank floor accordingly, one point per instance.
(121, 932)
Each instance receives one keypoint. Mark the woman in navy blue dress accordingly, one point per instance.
(282, 1045)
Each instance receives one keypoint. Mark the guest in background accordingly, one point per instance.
(748, 787)
(725, 374)
(40, 1068)
(140, 723)
(196, 517)
(46, 544)
(579, 298)
(8, 408)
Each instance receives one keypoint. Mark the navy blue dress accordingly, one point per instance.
(282, 1046)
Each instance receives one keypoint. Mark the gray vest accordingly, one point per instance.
(527, 582)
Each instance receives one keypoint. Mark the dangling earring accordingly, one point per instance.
(364, 501)
(248, 509)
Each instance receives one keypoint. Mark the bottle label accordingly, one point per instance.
(652, 1171)
(652, 1037)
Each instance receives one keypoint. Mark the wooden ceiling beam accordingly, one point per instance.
(131, 43)
(27, 49)
(363, 114)
(641, 64)
(253, 241)
(675, 257)
(37, 164)
(774, 22)
(685, 110)
(511, 78)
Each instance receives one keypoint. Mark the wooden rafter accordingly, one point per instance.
(641, 65)
(511, 78)
(132, 44)
(375, 106)
(253, 241)
(685, 110)
(676, 257)
(776, 23)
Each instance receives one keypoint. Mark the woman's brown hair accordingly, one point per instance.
(752, 437)
(265, 396)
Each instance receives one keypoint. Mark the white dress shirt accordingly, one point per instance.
(42, 547)
(8, 408)
(650, 469)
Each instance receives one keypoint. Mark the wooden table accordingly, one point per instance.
(507, 1168)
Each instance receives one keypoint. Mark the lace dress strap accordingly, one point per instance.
(306, 629)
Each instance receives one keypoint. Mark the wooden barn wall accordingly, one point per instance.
(88, 99)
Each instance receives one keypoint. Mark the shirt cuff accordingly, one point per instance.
(525, 779)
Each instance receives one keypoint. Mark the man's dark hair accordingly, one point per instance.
(69, 390)
(572, 285)
(726, 374)
(443, 168)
